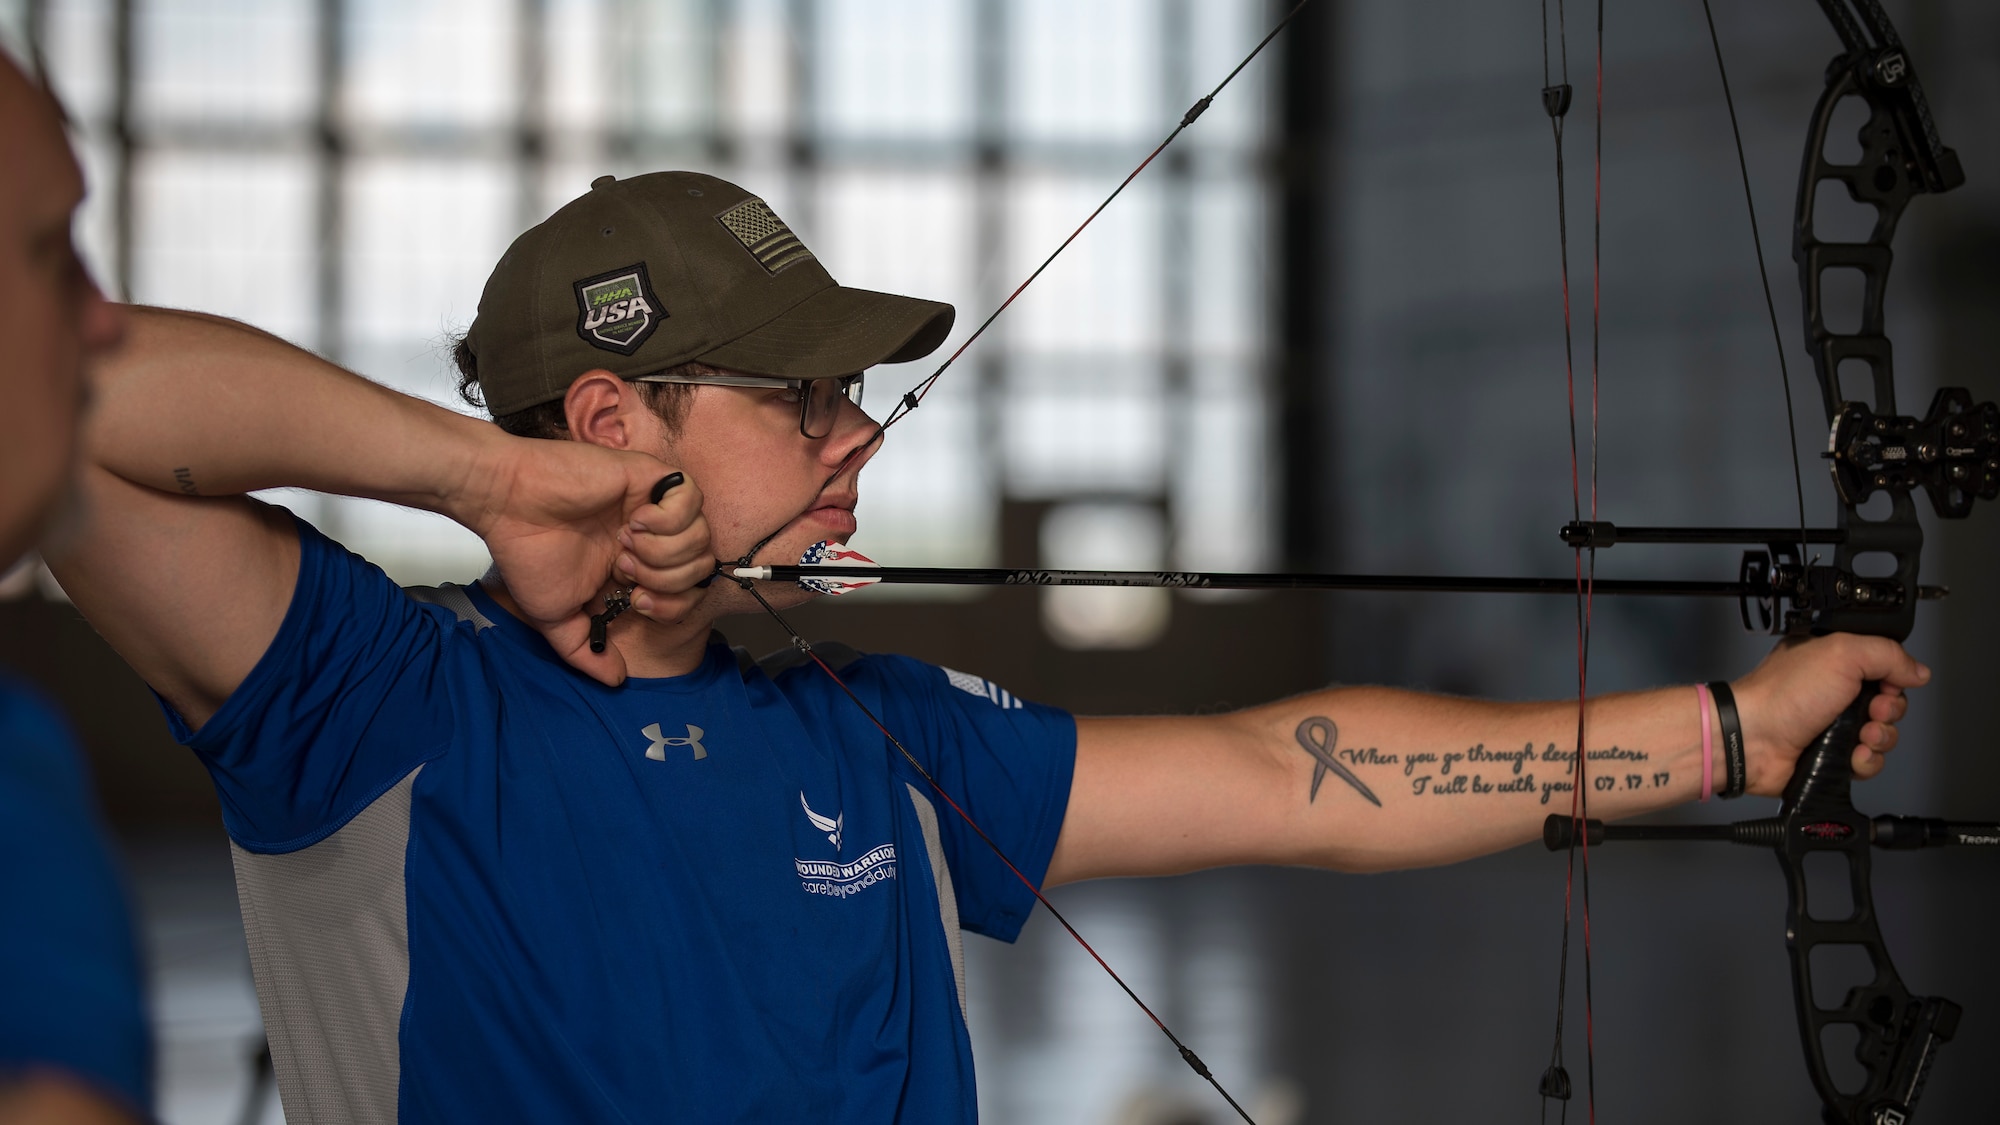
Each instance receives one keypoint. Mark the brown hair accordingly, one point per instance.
(669, 401)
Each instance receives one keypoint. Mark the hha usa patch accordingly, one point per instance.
(618, 311)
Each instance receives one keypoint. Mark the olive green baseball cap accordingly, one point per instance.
(644, 274)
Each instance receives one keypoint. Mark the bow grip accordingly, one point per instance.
(1895, 1035)
(1823, 777)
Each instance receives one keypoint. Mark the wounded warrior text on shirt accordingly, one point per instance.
(822, 877)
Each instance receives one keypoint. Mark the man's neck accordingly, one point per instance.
(651, 649)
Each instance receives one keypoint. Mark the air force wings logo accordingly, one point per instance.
(618, 311)
(830, 827)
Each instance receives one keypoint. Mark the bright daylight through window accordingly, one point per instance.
(350, 192)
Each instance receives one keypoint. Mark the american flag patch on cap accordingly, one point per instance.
(765, 235)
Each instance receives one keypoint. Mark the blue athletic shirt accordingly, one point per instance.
(480, 886)
(70, 996)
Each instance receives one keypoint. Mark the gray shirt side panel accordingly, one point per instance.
(453, 598)
(328, 930)
(947, 898)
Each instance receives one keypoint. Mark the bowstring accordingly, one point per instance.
(1579, 799)
(1555, 1081)
(908, 404)
(1589, 585)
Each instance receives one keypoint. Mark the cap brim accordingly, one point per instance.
(837, 331)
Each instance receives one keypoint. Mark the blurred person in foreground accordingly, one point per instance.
(489, 872)
(73, 1035)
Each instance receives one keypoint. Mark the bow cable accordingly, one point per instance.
(1764, 276)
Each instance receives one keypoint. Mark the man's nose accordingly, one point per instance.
(854, 439)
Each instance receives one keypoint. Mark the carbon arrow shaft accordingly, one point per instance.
(1209, 580)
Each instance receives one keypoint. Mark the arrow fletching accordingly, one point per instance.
(829, 553)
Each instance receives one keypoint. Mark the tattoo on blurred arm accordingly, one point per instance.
(185, 478)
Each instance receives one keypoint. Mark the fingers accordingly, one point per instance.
(1885, 661)
(1879, 735)
(1879, 658)
(665, 551)
(665, 594)
(1805, 684)
(1890, 706)
(672, 527)
(649, 554)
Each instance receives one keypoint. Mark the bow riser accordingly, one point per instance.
(1871, 448)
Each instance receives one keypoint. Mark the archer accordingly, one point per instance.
(541, 847)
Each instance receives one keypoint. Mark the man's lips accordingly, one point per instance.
(835, 512)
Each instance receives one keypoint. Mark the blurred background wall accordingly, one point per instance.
(1325, 332)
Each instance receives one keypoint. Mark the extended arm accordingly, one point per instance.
(1370, 779)
(189, 579)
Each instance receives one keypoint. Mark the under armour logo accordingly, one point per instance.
(658, 750)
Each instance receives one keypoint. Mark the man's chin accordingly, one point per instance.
(780, 595)
(789, 549)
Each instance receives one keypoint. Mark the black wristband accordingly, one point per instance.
(1736, 773)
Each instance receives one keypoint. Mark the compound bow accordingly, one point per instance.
(1952, 454)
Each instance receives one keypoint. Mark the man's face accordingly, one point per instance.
(52, 318)
(758, 474)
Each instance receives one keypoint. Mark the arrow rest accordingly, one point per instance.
(1757, 567)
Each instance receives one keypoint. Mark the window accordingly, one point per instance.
(345, 172)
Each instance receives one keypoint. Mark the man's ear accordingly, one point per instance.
(603, 409)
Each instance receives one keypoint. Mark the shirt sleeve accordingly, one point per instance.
(350, 697)
(1003, 760)
(69, 967)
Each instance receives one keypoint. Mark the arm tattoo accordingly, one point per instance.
(1316, 737)
(184, 477)
(1431, 774)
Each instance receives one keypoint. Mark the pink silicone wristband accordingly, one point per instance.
(1707, 743)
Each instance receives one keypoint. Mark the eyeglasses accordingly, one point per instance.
(819, 399)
